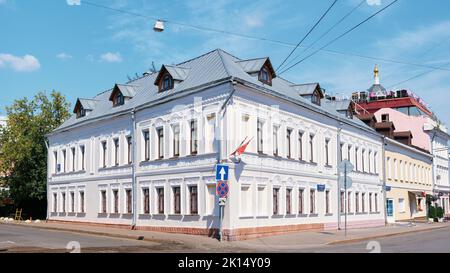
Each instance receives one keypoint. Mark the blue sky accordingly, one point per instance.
(82, 50)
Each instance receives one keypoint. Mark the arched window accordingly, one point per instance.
(118, 99)
(166, 83)
(265, 76)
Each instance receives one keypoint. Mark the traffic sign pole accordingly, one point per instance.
(220, 223)
(221, 192)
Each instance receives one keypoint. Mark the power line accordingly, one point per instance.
(198, 27)
(307, 34)
(287, 44)
(329, 30)
(384, 59)
(417, 76)
(340, 36)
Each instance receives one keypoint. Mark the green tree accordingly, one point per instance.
(23, 148)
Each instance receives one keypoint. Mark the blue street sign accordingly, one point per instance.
(320, 188)
(222, 173)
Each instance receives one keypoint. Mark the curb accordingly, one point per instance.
(355, 240)
(113, 235)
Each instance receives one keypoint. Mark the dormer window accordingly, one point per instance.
(118, 99)
(83, 107)
(166, 83)
(350, 114)
(122, 93)
(169, 76)
(260, 68)
(81, 112)
(265, 76)
(315, 98)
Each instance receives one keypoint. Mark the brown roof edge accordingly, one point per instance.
(385, 125)
(403, 134)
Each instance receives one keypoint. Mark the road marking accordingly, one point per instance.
(74, 246)
(7, 242)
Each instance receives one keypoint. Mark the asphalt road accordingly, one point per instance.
(28, 239)
(434, 241)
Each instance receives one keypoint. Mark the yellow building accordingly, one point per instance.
(408, 181)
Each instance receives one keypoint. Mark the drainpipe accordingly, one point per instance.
(46, 186)
(383, 151)
(433, 168)
(220, 145)
(133, 168)
(339, 157)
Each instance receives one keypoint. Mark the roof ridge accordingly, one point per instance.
(87, 99)
(126, 84)
(176, 66)
(252, 59)
(301, 84)
(198, 57)
(222, 61)
(228, 53)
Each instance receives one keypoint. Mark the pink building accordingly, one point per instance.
(403, 123)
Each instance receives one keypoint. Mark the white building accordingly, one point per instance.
(143, 154)
(439, 139)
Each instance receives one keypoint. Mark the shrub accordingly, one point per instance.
(432, 212)
(439, 212)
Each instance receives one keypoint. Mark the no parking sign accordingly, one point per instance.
(222, 189)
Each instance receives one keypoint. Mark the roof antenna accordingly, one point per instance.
(129, 78)
(153, 69)
(137, 76)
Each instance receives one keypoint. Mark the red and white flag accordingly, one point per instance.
(241, 149)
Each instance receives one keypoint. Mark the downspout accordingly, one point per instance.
(219, 128)
(339, 157)
(220, 116)
(133, 168)
(383, 151)
(433, 188)
(46, 185)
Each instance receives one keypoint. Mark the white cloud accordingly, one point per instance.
(374, 2)
(72, 2)
(111, 57)
(415, 40)
(253, 20)
(27, 63)
(64, 56)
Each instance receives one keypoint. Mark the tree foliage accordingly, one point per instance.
(23, 147)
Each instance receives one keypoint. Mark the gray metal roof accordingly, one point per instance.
(305, 89)
(338, 105)
(253, 65)
(87, 104)
(211, 67)
(127, 90)
(177, 72)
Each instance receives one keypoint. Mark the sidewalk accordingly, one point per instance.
(291, 242)
(307, 240)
